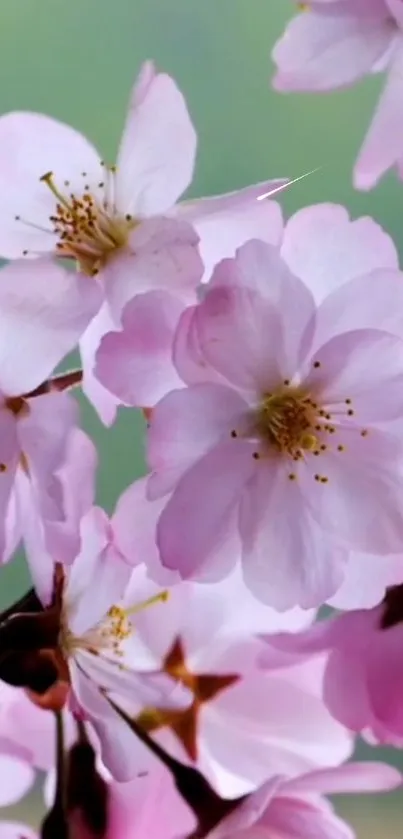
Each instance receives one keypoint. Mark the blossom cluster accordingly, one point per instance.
(168, 672)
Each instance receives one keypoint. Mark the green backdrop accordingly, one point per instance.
(76, 60)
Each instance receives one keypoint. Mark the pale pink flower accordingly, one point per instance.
(364, 673)
(94, 639)
(288, 809)
(121, 223)
(335, 44)
(245, 723)
(282, 434)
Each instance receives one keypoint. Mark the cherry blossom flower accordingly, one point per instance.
(287, 809)
(335, 44)
(364, 675)
(83, 641)
(244, 723)
(120, 223)
(280, 435)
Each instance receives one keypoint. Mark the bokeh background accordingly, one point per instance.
(76, 60)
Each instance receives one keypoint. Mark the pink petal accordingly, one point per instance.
(9, 455)
(365, 366)
(187, 353)
(17, 777)
(163, 255)
(383, 144)
(203, 502)
(32, 145)
(325, 249)
(289, 818)
(385, 679)
(121, 751)
(102, 400)
(134, 525)
(239, 335)
(362, 501)
(285, 565)
(44, 431)
(263, 278)
(225, 222)
(185, 425)
(16, 830)
(320, 52)
(368, 776)
(40, 561)
(158, 147)
(44, 310)
(136, 363)
(367, 577)
(372, 301)
(96, 560)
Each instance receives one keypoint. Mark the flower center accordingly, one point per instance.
(88, 229)
(110, 633)
(287, 420)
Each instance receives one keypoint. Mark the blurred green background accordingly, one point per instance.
(77, 60)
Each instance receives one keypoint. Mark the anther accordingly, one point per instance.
(3, 467)
(234, 433)
(286, 382)
(256, 455)
(348, 401)
(364, 432)
(324, 480)
(316, 364)
(340, 448)
(292, 476)
(350, 413)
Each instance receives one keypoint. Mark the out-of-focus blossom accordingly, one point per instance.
(83, 638)
(364, 673)
(335, 44)
(281, 435)
(244, 723)
(289, 809)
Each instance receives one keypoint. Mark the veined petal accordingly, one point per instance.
(121, 751)
(320, 52)
(97, 560)
(204, 502)
(225, 222)
(325, 248)
(44, 310)
(186, 424)
(31, 145)
(158, 147)
(104, 402)
(136, 364)
(286, 558)
(382, 147)
(365, 367)
(362, 500)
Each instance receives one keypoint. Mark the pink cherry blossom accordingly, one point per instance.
(290, 808)
(334, 44)
(244, 724)
(94, 638)
(280, 435)
(364, 675)
(121, 223)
